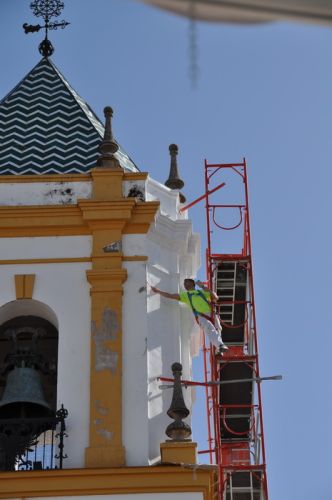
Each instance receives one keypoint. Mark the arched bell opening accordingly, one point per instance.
(28, 383)
(28, 360)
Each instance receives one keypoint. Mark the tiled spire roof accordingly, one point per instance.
(47, 128)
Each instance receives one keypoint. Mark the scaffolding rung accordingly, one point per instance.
(242, 490)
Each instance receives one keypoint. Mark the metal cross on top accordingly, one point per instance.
(46, 9)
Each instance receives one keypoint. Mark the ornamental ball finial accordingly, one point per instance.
(108, 112)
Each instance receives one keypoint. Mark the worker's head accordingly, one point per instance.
(189, 284)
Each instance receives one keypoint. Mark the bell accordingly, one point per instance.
(23, 395)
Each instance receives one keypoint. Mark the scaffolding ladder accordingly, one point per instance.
(234, 403)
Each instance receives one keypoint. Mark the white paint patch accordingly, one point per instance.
(100, 409)
(40, 193)
(105, 358)
(108, 435)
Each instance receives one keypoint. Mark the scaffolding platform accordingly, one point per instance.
(244, 485)
(234, 404)
(235, 399)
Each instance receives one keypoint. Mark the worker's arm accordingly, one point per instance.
(174, 296)
(201, 285)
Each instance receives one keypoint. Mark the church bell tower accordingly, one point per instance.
(83, 235)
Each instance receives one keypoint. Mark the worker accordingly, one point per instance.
(200, 303)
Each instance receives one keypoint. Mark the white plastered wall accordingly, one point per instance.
(157, 331)
(43, 193)
(63, 288)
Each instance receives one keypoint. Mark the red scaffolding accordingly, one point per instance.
(233, 400)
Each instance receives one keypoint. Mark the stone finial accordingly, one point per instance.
(174, 181)
(178, 430)
(108, 146)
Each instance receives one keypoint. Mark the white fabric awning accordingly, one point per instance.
(250, 11)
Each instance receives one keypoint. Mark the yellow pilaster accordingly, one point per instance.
(106, 449)
(108, 216)
(103, 189)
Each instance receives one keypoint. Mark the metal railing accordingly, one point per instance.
(33, 443)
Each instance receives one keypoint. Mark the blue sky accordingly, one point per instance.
(264, 92)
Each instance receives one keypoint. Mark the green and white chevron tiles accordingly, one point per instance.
(47, 128)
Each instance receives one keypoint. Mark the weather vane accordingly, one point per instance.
(46, 9)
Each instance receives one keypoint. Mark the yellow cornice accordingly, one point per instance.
(96, 275)
(75, 482)
(44, 220)
(132, 258)
(117, 210)
(68, 260)
(135, 176)
(17, 179)
(143, 215)
(66, 220)
(106, 280)
(55, 260)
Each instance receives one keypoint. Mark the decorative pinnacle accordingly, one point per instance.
(108, 146)
(46, 9)
(174, 181)
(178, 430)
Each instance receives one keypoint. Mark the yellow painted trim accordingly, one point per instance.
(135, 176)
(81, 219)
(107, 183)
(112, 277)
(68, 260)
(47, 220)
(178, 452)
(105, 437)
(134, 258)
(24, 284)
(13, 179)
(143, 215)
(18, 179)
(43, 231)
(75, 482)
(19, 286)
(55, 260)
(117, 210)
(29, 283)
